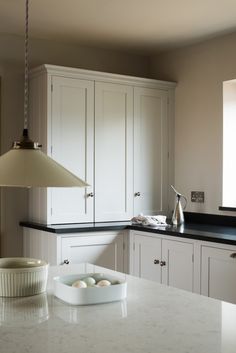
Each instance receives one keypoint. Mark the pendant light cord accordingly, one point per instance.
(26, 142)
(26, 81)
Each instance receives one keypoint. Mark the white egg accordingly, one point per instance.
(79, 284)
(103, 283)
(98, 276)
(90, 281)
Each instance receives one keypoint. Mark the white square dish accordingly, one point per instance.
(91, 295)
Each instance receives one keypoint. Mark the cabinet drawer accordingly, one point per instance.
(102, 250)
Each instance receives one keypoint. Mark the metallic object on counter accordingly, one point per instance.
(178, 214)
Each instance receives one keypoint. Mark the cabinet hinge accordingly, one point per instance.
(168, 100)
(51, 211)
(133, 246)
(51, 150)
(123, 246)
(51, 87)
(192, 257)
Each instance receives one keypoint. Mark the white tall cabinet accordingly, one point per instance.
(111, 130)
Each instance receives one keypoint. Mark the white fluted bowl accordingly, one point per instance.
(22, 276)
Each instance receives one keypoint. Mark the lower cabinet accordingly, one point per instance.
(206, 268)
(218, 272)
(166, 261)
(106, 249)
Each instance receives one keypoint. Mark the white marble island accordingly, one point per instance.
(153, 319)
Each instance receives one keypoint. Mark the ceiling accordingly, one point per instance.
(144, 26)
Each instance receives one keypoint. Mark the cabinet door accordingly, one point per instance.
(150, 151)
(218, 273)
(178, 265)
(147, 257)
(113, 152)
(102, 250)
(72, 146)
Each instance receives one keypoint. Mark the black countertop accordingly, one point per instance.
(207, 232)
(76, 227)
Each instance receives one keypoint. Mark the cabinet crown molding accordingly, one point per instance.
(101, 76)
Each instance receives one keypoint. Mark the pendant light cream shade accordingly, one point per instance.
(33, 168)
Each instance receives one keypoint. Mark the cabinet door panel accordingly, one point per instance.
(72, 146)
(102, 250)
(113, 152)
(178, 270)
(146, 251)
(150, 151)
(218, 274)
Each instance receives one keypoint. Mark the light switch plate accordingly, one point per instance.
(197, 196)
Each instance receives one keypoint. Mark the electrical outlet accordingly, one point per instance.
(197, 196)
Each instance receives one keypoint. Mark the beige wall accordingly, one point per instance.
(199, 71)
(14, 201)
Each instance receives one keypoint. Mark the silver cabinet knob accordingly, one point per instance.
(233, 255)
(156, 262)
(66, 262)
(137, 194)
(162, 263)
(90, 194)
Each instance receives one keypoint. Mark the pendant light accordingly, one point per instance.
(25, 165)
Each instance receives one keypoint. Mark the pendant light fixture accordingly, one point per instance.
(25, 165)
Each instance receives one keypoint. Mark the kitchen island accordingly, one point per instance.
(153, 319)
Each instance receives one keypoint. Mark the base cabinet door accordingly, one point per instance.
(218, 273)
(170, 262)
(147, 256)
(177, 264)
(103, 250)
